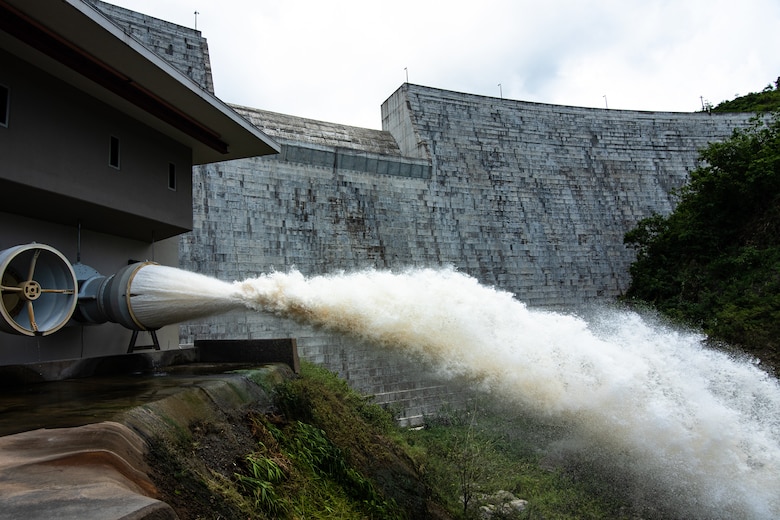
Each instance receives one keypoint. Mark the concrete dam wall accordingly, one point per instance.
(531, 198)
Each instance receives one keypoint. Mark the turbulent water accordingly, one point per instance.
(699, 423)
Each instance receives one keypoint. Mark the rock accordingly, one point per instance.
(502, 504)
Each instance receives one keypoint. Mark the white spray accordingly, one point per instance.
(701, 422)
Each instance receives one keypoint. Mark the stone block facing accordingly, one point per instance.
(533, 199)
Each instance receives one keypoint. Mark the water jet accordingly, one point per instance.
(697, 422)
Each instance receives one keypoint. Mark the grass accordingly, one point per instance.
(326, 452)
(510, 457)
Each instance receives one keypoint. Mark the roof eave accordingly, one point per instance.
(78, 44)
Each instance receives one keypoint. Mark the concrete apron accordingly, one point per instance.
(98, 471)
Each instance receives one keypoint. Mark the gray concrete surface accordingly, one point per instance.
(99, 471)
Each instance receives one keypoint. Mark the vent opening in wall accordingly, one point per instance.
(172, 176)
(5, 103)
(113, 152)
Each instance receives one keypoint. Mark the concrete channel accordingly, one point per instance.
(76, 449)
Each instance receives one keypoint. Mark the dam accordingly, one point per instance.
(532, 199)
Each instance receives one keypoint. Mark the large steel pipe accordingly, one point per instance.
(38, 289)
(41, 292)
(114, 298)
(147, 296)
(111, 298)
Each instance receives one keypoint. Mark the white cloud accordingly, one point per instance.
(339, 60)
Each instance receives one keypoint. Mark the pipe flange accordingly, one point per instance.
(114, 297)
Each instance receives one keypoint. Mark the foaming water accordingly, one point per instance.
(701, 426)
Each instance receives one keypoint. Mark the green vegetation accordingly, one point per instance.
(767, 100)
(324, 451)
(714, 263)
(472, 456)
(302, 474)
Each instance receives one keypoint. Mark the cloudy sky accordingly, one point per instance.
(338, 60)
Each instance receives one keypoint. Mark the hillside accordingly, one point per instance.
(323, 451)
(767, 100)
(714, 263)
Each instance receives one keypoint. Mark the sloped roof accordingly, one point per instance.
(73, 41)
(300, 130)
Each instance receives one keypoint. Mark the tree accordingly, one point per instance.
(715, 261)
(765, 101)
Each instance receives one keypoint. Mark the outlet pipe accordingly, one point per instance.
(104, 299)
(42, 292)
(38, 289)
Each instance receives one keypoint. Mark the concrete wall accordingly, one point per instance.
(536, 198)
(336, 197)
(531, 198)
(184, 48)
(55, 161)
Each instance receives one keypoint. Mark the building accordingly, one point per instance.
(98, 137)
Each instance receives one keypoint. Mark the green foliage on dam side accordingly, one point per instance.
(768, 100)
(714, 262)
(319, 451)
(484, 457)
(324, 451)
